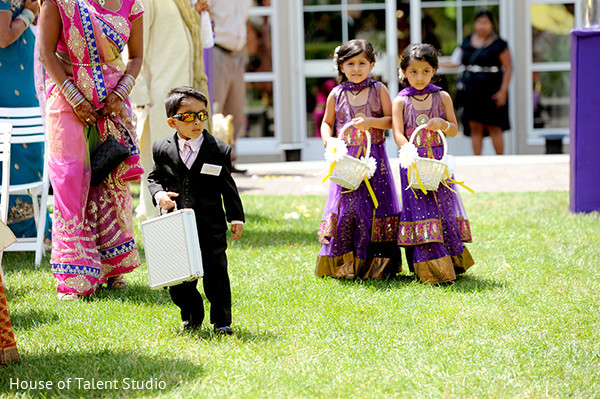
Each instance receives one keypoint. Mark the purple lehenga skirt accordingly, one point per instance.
(359, 241)
(434, 226)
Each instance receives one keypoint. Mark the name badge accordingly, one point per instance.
(210, 169)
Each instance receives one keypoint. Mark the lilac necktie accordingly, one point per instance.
(187, 156)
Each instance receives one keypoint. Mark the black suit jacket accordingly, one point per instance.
(205, 194)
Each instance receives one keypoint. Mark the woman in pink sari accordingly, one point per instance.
(86, 84)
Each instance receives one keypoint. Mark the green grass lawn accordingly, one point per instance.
(524, 322)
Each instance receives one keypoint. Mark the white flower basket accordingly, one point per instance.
(349, 172)
(431, 171)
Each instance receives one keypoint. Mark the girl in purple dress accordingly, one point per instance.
(433, 226)
(359, 238)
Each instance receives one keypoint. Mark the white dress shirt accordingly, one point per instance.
(230, 18)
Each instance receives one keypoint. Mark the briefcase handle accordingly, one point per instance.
(163, 212)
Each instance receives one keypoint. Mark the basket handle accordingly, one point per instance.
(367, 133)
(444, 142)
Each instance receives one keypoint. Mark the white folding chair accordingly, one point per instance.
(27, 128)
(5, 130)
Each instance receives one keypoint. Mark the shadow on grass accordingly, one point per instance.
(121, 374)
(134, 293)
(241, 334)
(472, 283)
(466, 283)
(32, 318)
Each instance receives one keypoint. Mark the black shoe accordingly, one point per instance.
(236, 170)
(225, 330)
(189, 326)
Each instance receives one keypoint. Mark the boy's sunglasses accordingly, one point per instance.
(191, 116)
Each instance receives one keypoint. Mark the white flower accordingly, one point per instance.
(371, 163)
(291, 215)
(336, 150)
(408, 155)
(451, 162)
(400, 75)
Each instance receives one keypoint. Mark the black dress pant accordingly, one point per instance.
(216, 286)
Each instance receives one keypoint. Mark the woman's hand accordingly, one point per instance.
(202, 5)
(500, 98)
(113, 106)
(32, 5)
(86, 113)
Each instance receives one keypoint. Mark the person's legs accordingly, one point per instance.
(476, 136)
(236, 99)
(221, 81)
(229, 91)
(189, 300)
(216, 280)
(497, 139)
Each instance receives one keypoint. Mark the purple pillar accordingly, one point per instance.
(584, 120)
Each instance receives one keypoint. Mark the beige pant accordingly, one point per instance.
(229, 89)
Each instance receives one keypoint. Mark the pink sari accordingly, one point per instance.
(93, 228)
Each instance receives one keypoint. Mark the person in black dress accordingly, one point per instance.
(488, 69)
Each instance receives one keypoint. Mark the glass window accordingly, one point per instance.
(317, 90)
(259, 109)
(369, 25)
(365, 1)
(438, 27)
(259, 44)
(551, 99)
(321, 2)
(551, 25)
(322, 34)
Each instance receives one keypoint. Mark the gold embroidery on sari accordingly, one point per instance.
(119, 23)
(68, 6)
(85, 83)
(76, 43)
(80, 283)
(137, 8)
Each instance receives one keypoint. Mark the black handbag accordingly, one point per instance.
(105, 158)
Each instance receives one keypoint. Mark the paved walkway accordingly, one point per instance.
(483, 174)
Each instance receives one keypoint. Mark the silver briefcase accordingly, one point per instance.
(172, 249)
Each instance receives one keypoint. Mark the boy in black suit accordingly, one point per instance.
(192, 169)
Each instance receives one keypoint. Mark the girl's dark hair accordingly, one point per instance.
(487, 14)
(175, 96)
(421, 52)
(351, 49)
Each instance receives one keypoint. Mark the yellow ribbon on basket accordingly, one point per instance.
(375, 202)
(460, 183)
(414, 165)
(329, 172)
(369, 188)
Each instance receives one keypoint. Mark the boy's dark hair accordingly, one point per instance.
(351, 49)
(175, 96)
(421, 52)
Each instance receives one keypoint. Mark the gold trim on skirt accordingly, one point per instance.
(443, 269)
